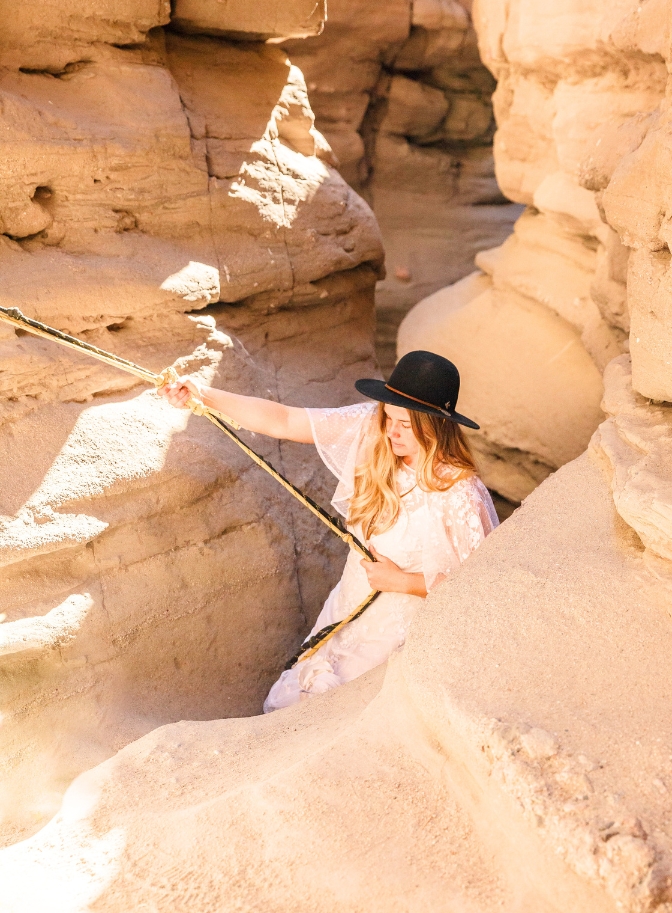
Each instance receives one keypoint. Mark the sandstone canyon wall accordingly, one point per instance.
(548, 309)
(400, 93)
(517, 754)
(165, 195)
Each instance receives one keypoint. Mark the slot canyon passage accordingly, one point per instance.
(213, 185)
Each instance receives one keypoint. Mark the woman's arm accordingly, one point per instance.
(261, 415)
(388, 577)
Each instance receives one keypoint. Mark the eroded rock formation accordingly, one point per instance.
(577, 95)
(518, 755)
(167, 197)
(401, 95)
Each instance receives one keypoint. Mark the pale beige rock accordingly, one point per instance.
(468, 120)
(636, 204)
(272, 239)
(526, 379)
(479, 755)
(440, 14)
(226, 764)
(547, 263)
(608, 289)
(636, 441)
(532, 35)
(517, 756)
(539, 744)
(259, 126)
(598, 73)
(580, 103)
(570, 206)
(524, 150)
(360, 35)
(649, 284)
(571, 639)
(409, 116)
(413, 109)
(169, 537)
(579, 137)
(581, 130)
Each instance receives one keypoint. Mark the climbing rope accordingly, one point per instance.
(222, 421)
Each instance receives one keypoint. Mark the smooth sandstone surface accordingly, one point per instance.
(595, 79)
(556, 682)
(636, 441)
(493, 770)
(55, 37)
(532, 386)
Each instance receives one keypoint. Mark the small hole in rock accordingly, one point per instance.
(126, 221)
(43, 193)
(115, 327)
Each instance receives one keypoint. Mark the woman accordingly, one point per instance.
(408, 487)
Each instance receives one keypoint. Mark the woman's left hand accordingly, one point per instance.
(387, 577)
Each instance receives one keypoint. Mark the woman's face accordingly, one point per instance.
(400, 432)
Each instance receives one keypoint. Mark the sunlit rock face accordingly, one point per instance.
(261, 20)
(408, 113)
(579, 601)
(167, 197)
(580, 142)
(516, 754)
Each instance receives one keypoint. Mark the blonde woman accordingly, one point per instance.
(408, 488)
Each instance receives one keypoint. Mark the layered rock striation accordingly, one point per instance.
(407, 110)
(164, 194)
(577, 93)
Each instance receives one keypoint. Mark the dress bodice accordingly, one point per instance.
(435, 530)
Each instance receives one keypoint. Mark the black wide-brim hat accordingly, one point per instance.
(421, 381)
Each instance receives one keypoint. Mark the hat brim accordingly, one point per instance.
(376, 389)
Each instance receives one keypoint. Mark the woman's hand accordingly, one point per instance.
(180, 391)
(387, 577)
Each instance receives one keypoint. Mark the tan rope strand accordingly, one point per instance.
(19, 320)
(343, 534)
(169, 375)
(346, 536)
(341, 624)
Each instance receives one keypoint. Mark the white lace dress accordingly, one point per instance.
(434, 533)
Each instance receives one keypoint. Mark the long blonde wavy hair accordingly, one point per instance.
(443, 446)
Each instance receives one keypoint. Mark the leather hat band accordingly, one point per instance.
(416, 400)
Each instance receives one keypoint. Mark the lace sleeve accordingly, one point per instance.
(339, 434)
(467, 517)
